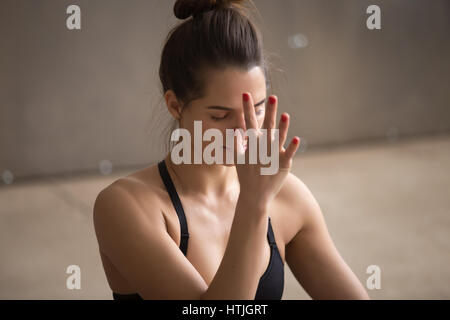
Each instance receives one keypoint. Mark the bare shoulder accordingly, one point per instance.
(135, 196)
(140, 186)
(135, 245)
(295, 203)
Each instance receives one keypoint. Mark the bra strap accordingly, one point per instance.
(270, 235)
(176, 203)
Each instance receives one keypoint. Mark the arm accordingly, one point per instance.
(236, 277)
(139, 246)
(314, 259)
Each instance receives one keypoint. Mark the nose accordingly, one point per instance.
(240, 121)
(240, 125)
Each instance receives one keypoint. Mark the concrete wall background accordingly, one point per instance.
(70, 99)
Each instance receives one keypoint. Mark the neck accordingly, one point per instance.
(202, 179)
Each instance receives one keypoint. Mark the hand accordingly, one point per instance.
(254, 185)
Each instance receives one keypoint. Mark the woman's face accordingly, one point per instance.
(222, 106)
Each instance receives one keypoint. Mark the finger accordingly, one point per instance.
(290, 152)
(235, 147)
(269, 121)
(242, 126)
(283, 127)
(273, 141)
(249, 112)
(271, 113)
(238, 145)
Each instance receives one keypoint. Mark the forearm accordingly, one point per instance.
(237, 276)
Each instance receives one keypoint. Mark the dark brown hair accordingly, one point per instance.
(216, 34)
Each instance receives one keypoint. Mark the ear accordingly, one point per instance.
(173, 105)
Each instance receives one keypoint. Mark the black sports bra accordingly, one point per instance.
(271, 283)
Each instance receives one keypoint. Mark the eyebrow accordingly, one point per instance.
(226, 108)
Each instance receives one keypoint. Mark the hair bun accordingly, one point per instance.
(183, 9)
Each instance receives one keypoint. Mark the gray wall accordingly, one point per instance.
(70, 99)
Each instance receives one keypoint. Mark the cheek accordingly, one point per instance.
(221, 125)
(213, 125)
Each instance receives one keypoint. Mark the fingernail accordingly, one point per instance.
(245, 96)
(272, 100)
(296, 140)
(284, 117)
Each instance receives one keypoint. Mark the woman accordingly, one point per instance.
(219, 231)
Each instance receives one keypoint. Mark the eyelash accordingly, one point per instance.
(218, 119)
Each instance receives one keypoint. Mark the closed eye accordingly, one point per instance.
(217, 118)
(259, 112)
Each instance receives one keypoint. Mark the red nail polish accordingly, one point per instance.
(284, 117)
(272, 100)
(246, 96)
(296, 140)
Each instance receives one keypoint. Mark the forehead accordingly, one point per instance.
(226, 86)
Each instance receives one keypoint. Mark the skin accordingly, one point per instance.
(136, 212)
